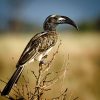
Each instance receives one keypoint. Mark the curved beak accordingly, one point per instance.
(67, 20)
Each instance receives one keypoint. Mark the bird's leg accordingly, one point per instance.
(42, 62)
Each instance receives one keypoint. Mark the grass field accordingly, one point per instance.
(79, 52)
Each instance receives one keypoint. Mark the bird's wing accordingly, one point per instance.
(37, 45)
(30, 50)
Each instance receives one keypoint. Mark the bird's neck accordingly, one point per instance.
(49, 27)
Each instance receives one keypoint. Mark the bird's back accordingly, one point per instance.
(39, 44)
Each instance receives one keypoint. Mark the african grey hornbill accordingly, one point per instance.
(38, 47)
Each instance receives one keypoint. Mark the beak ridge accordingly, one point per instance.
(67, 20)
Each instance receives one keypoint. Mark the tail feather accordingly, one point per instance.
(12, 80)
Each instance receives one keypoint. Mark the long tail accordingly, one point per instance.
(12, 80)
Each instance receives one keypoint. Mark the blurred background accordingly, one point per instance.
(21, 19)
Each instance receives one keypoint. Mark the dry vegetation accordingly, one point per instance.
(72, 72)
(42, 83)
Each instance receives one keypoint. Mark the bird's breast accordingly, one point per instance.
(39, 57)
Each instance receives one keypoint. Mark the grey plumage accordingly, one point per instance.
(38, 47)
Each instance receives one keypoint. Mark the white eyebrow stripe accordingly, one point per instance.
(53, 15)
(61, 18)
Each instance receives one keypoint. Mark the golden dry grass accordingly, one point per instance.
(83, 69)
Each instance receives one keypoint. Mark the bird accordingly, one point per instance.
(38, 47)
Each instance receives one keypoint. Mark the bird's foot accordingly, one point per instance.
(15, 84)
(42, 63)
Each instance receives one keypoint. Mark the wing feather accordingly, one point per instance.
(37, 45)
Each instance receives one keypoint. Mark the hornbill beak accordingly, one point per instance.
(67, 20)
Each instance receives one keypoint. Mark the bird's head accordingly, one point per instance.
(53, 20)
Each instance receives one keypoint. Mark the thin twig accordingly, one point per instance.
(34, 74)
(60, 95)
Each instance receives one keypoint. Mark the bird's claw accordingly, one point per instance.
(42, 63)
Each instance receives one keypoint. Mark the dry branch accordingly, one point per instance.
(42, 83)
